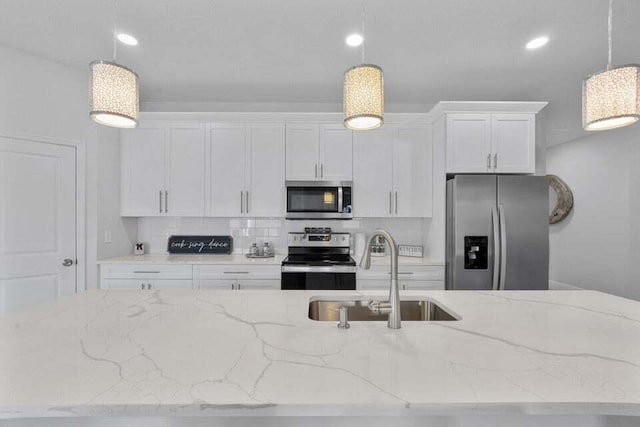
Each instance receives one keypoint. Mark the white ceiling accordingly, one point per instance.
(293, 51)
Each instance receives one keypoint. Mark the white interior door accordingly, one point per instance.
(143, 155)
(185, 194)
(372, 173)
(37, 222)
(413, 171)
(336, 153)
(265, 170)
(302, 152)
(226, 170)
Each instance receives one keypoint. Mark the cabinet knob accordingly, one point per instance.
(142, 286)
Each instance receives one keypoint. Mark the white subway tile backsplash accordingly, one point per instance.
(155, 231)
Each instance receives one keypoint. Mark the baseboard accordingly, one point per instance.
(560, 286)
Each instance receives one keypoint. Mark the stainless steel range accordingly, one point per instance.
(319, 259)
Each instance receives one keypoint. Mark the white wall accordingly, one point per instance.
(598, 245)
(39, 97)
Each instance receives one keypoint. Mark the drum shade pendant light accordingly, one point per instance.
(113, 91)
(611, 99)
(363, 93)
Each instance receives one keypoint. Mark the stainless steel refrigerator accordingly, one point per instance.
(497, 232)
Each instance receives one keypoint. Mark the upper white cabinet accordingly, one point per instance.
(319, 152)
(163, 169)
(393, 172)
(246, 170)
(490, 142)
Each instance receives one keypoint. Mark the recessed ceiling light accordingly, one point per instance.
(537, 42)
(127, 39)
(354, 40)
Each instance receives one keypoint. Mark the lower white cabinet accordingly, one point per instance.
(146, 284)
(423, 277)
(238, 285)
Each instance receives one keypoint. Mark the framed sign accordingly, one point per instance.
(200, 245)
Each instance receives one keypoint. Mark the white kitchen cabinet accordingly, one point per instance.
(412, 171)
(265, 170)
(143, 161)
(246, 170)
(393, 172)
(145, 284)
(336, 153)
(226, 169)
(513, 143)
(146, 276)
(238, 284)
(185, 167)
(490, 143)
(319, 152)
(163, 170)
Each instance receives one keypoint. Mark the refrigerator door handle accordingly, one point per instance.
(503, 249)
(496, 248)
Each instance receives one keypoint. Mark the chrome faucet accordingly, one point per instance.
(393, 305)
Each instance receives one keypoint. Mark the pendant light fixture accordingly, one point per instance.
(611, 99)
(113, 90)
(363, 93)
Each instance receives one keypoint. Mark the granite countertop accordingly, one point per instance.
(230, 353)
(241, 259)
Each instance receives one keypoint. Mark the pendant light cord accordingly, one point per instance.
(115, 34)
(364, 17)
(610, 29)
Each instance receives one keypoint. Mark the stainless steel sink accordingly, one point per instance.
(359, 311)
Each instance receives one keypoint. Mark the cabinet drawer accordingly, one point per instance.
(234, 271)
(144, 284)
(215, 284)
(269, 284)
(411, 273)
(405, 285)
(145, 271)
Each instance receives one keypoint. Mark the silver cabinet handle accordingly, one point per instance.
(316, 170)
(160, 201)
(403, 272)
(489, 161)
(503, 249)
(67, 262)
(321, 170)
(146, 271)
(495, 161)
(235, 272)
(148, 285)
(238, 286)
(396, 202)
(246, 205)
(496, 247)
(242, 202)
(166, 201)
(390, 203)
(142, 286)
(233, 287)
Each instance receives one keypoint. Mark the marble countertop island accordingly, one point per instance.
(256, 353)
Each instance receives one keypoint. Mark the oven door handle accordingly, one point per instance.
(318, 269)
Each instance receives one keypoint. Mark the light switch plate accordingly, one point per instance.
(410, 250)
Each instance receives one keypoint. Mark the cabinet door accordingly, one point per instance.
(468, 143)
(419, 285)
(266, 284)
(413, 171)
(336, 153)
(302, 151)
(143, 155)
(145, 284)
(226, 171)
(372, 172)
(373, 284)
(185, 182)
(229, 284)
(513, 143)
(169, 284)
(265, 170)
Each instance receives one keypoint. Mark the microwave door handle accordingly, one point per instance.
(496, 248)
(340, 207)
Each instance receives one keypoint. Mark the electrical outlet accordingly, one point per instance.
(409, 250)
(107, 236)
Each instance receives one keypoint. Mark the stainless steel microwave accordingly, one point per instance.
(319, 200)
